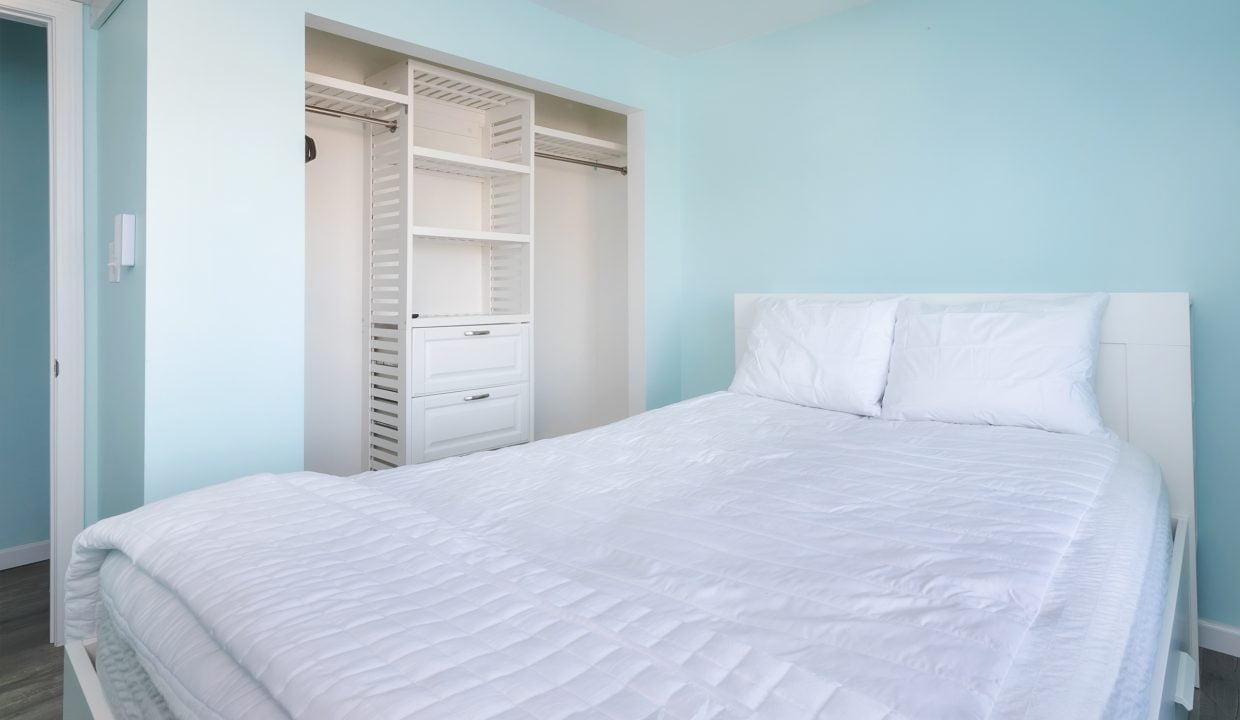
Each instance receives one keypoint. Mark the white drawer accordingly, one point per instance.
(471, 356)
(463, 422)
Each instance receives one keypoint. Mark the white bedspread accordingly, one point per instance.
(725, 557)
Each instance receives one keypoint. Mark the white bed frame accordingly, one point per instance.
(1145, 393)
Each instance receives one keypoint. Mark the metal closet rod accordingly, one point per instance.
(389, 124)
(587, 163)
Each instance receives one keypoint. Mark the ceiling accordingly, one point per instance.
(684, 27)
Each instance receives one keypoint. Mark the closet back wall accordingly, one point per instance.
(580, 298)
(335, 348)
(955, 145)
(581, 348)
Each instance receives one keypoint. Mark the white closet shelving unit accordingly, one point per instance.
(336, 96)
(565, 144)
(449, 271)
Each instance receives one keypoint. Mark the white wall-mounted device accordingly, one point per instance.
(120, 249)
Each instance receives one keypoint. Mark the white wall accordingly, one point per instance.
(335, 312)
(580, 298)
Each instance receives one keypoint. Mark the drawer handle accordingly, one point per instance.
(474, 333)
(481, 396)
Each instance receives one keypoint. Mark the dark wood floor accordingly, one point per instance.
(30, 668)
(1219, 696)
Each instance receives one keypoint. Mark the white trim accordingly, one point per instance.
(1219, 637)
(100, 10)
(636, 199)
(25, 554)
(63, 20)
(83, 695)
(1175, 659)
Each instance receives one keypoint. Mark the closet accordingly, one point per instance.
(581, 347)
(427, 289)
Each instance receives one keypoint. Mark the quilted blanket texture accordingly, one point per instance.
(726, 557)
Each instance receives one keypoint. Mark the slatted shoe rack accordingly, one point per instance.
(449, 275)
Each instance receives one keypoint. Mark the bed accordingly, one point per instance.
(728, 556)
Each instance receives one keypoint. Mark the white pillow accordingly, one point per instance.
(828, 355)
(1029, 363)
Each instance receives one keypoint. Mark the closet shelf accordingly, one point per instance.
(454, 320)
(457, 89)
(442, 161)
(334, 94)
(579, 147)
(484, 236)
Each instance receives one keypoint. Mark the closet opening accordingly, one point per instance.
(470, 257)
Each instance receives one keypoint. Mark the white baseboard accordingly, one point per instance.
(25, 554)
(1219, 637)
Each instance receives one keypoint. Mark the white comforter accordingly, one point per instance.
(725, 557)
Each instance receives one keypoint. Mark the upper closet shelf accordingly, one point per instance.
(481, 236)
(579, 147)
(336, 95)
(449, 87)
(425, 158)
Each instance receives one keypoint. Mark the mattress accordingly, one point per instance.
(127, 686)
(724, 557)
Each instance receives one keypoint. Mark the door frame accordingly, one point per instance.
(64, 22)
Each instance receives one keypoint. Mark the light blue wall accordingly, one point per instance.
(931, 145)
(116, 182)
(903, 146)
(225, 193)
(24, 289)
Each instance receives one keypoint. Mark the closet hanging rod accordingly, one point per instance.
(587, 163)
(389, 124)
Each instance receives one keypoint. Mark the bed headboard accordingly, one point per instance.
(1144, 373)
